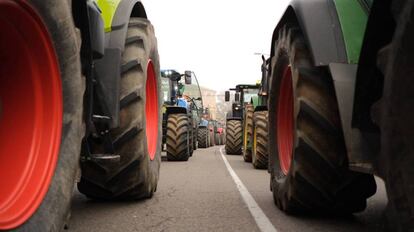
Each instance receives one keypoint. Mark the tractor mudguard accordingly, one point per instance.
(96, 30)
(125, 10)
(108, 69)
(333, 29)
(176, 110)
(360, 153)
(320, 25)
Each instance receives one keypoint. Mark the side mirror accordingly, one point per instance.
(227, 96)
(187, 76)
(175, 76)
(237, 97)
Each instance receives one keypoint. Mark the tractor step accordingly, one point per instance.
(101, 118)
(103, 158)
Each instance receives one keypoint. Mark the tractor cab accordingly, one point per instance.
(179, 92)
(242, 96)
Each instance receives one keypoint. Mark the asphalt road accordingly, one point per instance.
(201, 195)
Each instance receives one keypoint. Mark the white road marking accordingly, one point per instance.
(261, 219)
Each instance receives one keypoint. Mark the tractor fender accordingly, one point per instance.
(319, 22)
(108, 69)
(126, 9)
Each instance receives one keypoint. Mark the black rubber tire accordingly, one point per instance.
(247, 133)
(136, 175)
(53, 213)
(260, 154)
(394, 117)
(178, 137)
(211, 135)
(191, 135)
(195, 136)
(234, 137)
(202, 137)
(318, 180)
(217, 138)
(164, 130)
(208, 138)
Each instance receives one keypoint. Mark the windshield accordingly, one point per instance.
(165, 88)
(248, 93)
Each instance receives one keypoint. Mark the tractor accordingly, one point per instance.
(255, 147)
(235, 133)
(340, 107)
(214, 134)
(181, 116)
(218, 133)
(205, 135)
(80, 102)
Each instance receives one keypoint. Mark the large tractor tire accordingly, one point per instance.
(208, 138)
(217, 138)
(195, 136)
(211, 135)
(191, 135)
(309, 170)
(395, 118)
(234, 137)
(202, 137)
(248, 131)
(260, 154)
(40, 114)
(139, 135)
(178, 137)
(164, 130)
(223, 138)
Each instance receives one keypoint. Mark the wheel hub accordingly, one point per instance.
(285, 121)
(31, 112)
(151, 110)
(1, 109)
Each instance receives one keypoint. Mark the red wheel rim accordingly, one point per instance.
(151, 110)
(285, 121)
(30, 115)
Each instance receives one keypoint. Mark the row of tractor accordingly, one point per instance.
(333, 109)
(186, 122)
(83, 101)
(247, 126)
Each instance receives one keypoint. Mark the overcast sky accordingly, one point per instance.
(216, 39)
